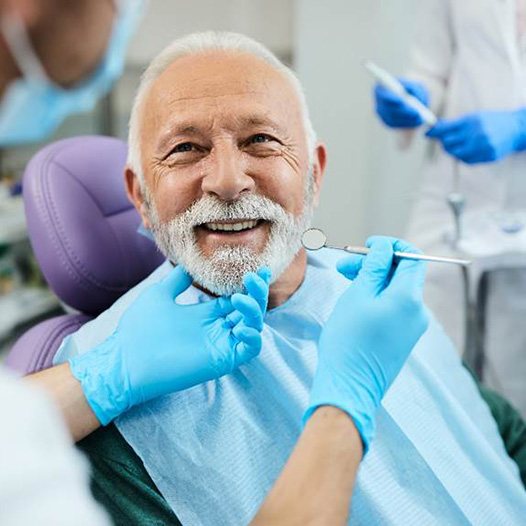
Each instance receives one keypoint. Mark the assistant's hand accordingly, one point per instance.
(370, 333)
(393, 111)
(160, 347)
(482, 137)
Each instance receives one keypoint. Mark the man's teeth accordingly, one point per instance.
(228, 227)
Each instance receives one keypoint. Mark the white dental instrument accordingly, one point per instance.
(314, 239)
(393, 84)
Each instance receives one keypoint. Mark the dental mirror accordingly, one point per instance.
(314, 239)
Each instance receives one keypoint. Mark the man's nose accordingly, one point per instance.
(226, 176)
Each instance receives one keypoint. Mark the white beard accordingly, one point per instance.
(222, 272)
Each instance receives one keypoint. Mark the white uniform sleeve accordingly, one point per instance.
(43, 478)
(432, 49)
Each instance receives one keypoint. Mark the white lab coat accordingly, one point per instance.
(43, 479)
(467, 52)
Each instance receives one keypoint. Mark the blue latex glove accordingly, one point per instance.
(369, 335)
(393, 111)
(482, 137)
(160, 347)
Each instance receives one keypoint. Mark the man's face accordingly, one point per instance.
(226, 168)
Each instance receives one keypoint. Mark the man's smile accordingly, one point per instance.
(232, 226)
(252, 232)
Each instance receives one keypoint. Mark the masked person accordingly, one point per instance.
(468, 63)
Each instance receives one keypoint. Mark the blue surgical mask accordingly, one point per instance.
(33, 105)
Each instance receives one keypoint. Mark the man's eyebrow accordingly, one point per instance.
(255, 121)
(188, 128)
(177, 129)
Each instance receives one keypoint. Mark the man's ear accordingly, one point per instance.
(136, 195)
(318, 170)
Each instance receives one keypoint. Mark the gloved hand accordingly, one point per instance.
(369, 335)
(482, 137)
(393, 111)
(160, 347)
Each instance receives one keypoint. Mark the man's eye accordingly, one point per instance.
(260, 138)
(183, 147)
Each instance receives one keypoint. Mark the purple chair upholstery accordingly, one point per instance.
(83, 230)
(36, 348)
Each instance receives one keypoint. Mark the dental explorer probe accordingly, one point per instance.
(314, 239)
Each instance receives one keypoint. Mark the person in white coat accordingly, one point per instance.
(468, 63)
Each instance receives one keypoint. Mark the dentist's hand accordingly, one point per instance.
(482, 137)
(393, 111)
(370, 333)
(160, 347)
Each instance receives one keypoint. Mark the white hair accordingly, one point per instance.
(194, 44)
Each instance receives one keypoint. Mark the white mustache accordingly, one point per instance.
(210, 209)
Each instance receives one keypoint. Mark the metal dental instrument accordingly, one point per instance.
(314, 239)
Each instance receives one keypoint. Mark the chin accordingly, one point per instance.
(223, 272)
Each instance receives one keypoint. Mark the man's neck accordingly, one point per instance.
(289, 282)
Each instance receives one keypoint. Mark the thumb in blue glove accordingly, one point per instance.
(160, 347)
(369, 335)
(393, 111)
(482, 137)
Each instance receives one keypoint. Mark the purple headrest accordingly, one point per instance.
(81, 224)
(36, 348)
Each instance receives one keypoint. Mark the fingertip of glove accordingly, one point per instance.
(178, 273)
(245, 352)
(350, 264)
(380, 243)
(265, 273)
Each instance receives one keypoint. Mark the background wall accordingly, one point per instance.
(370, 183)
(271, 22)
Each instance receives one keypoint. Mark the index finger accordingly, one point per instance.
(445, 127)
(409, 274)
(376, 266)
(387, 96)
(257, 288)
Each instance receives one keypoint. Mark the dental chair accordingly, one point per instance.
(83, 230)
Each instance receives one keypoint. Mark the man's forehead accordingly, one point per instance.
(209, 77)
(220, 91)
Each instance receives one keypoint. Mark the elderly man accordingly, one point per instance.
(225, 171)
